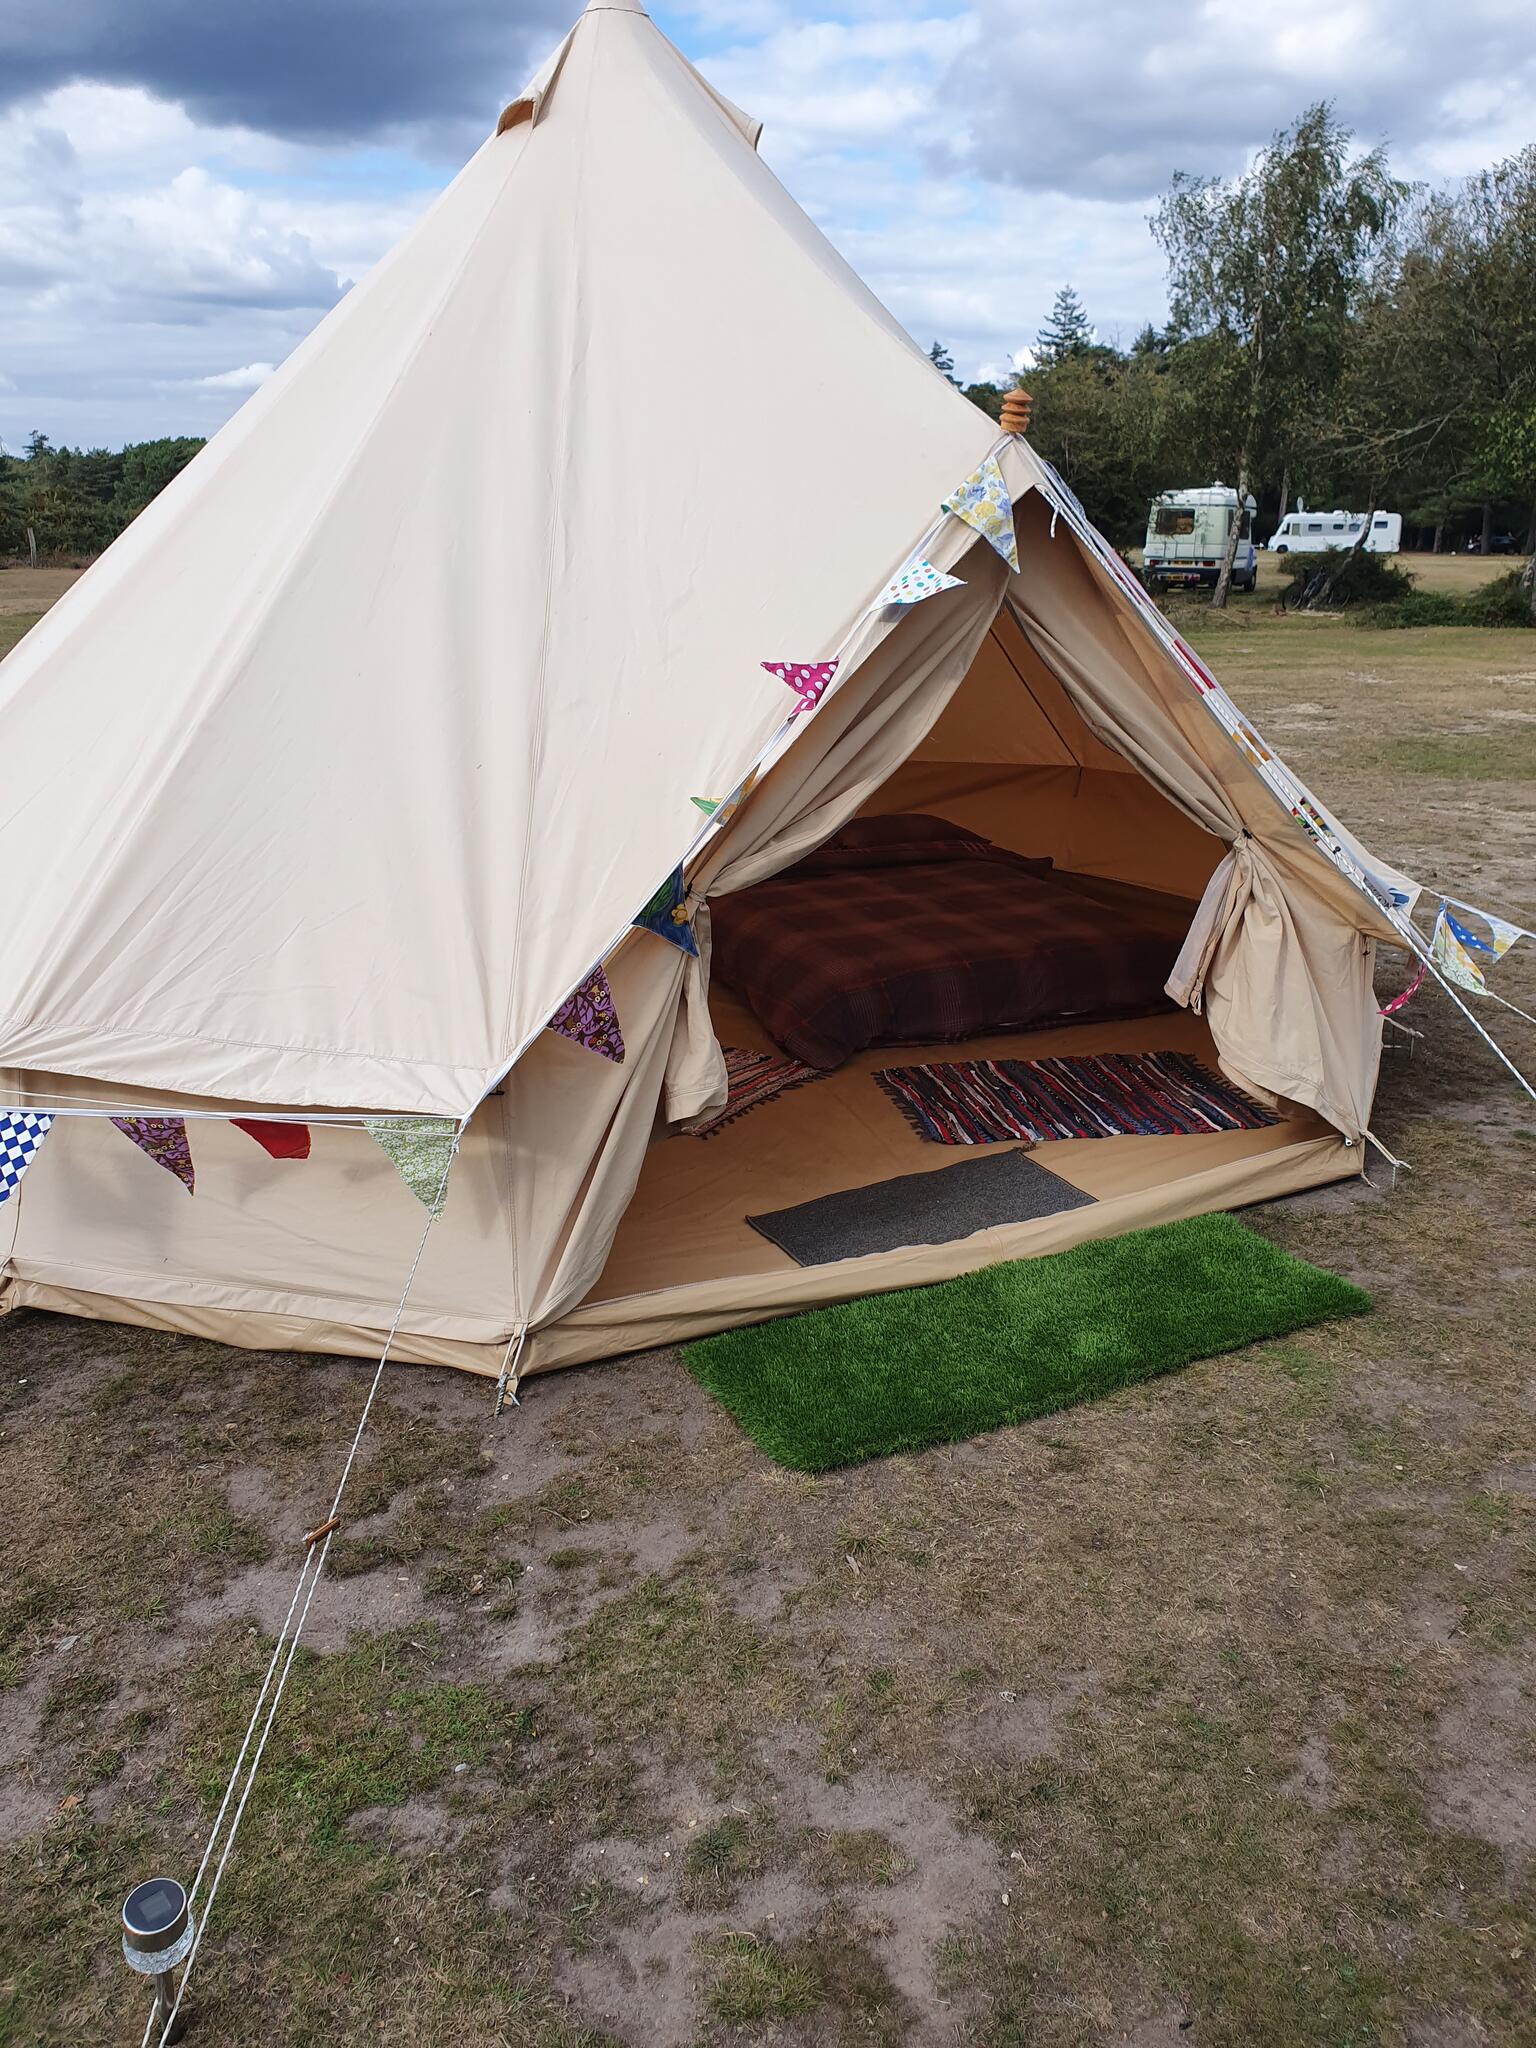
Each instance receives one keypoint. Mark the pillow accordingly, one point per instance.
(905, 839)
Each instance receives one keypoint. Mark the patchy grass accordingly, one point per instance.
(13, 625)
(1510, 756)
(752, 1980)
(1204, 1705)
(896, 1372)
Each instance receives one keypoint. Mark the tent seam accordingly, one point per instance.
(536, 746)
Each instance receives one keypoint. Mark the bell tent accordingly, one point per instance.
(542, 644)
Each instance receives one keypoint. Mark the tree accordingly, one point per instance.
(1112, 425)
(989, 397)
(76, 501)
(1265, 270)
(943, 362)
(1067, 332)
(1438, 401)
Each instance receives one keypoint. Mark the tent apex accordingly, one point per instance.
(613, 7)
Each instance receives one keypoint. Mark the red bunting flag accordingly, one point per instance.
(283, 1141)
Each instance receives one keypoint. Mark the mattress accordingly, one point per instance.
(912, 931)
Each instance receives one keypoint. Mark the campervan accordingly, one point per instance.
(1308, 533)
(1187, 538)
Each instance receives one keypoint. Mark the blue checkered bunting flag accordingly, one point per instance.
(22, 1131)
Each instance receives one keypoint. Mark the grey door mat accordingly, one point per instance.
(919, 1208)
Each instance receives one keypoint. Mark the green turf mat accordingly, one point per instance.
(895, 1372)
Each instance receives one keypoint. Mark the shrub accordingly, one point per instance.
(1418, 608)
(1504, 602)
(1358, 578)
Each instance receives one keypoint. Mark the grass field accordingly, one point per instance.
(1199, 1714)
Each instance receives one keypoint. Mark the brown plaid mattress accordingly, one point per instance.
(900, 951)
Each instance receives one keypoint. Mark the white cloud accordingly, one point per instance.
(1109, 100)
(141, 255)
(969, 157)
(244, 379)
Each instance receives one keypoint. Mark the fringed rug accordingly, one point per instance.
(1113, 1095)
(755, 1078)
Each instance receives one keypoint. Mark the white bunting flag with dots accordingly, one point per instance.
(916, 581)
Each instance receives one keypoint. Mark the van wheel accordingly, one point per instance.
(1284, 548)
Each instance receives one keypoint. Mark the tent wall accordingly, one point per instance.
(328, 1239)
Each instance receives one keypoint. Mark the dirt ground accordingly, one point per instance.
(1201, 1715)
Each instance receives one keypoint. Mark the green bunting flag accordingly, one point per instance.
(421, 1148)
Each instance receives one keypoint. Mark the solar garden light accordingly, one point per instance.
(158, 1932)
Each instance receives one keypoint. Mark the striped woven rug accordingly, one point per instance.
(755, 1078)
(1112, 1095)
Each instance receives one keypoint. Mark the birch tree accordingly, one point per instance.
(1264, 272)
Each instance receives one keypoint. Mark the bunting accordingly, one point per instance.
(1501, 936)
(723, 809)
(1452, 957)
(163, 1139)
(588, 1017)
(22, 1131)
(917, 580)
(421, 1149)
(808, 680)
(282, 1141)
(983, 502)
(667, 915)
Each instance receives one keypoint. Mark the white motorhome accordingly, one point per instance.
(1187, 538)
(1309, 533)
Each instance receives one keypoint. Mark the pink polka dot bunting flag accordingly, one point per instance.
(808, 680)
(589, 1017)
(919, 579)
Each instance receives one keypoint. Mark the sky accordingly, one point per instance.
(186, 188)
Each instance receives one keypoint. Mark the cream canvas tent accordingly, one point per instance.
(336, 775)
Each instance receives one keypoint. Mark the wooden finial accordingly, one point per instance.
(1017, 407)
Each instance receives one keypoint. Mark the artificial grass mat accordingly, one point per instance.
(931, 1365)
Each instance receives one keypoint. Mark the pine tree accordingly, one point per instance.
(943, 362)
(1067, 332)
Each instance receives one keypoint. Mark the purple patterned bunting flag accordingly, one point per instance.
(590, 1018)
(164, 1138)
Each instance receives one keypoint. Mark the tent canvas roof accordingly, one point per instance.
(350, 757)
